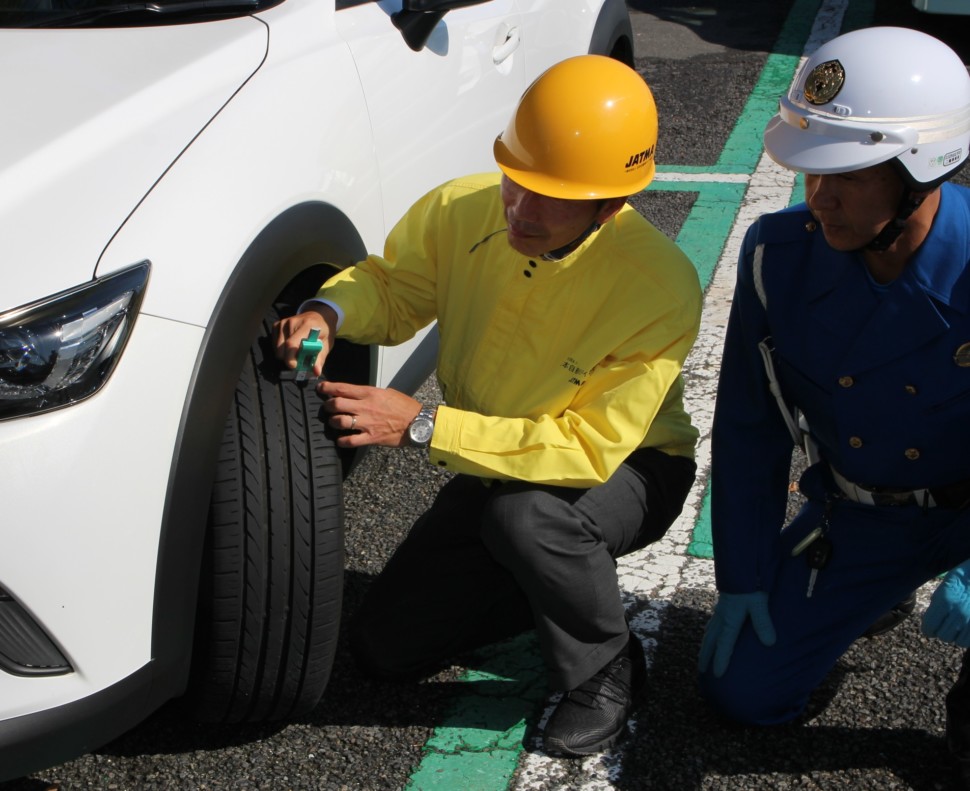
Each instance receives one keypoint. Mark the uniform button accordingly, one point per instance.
(846, 381)
(810, 226)
(912, 454)
(527, 273)
(911, 389)
(855, 442)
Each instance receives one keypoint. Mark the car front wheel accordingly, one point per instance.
(272, 572)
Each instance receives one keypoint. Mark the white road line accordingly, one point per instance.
(719, 178)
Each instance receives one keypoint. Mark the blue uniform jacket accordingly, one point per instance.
(875, 375)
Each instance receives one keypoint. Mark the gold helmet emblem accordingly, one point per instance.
(824, 82)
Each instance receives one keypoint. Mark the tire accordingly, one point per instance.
(272, 573)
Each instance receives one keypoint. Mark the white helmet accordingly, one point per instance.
(876, 95)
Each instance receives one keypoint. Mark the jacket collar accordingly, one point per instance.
(874, 327)
(941, 263)
(939, 268)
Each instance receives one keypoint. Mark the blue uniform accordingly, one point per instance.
(882, 374)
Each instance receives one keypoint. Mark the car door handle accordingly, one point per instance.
(507, 47)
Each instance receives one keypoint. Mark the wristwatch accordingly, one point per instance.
(422, 427)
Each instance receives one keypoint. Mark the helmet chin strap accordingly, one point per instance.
(561, 252)
(909, 203)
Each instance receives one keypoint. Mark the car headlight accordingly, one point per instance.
(61, 349)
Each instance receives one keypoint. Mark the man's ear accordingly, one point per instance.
(917, 197)
(608, 208)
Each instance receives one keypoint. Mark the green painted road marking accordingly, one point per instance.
(702, 543)
(709, 222)
(479, 745)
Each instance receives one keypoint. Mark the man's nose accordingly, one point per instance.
(525, 203)
(819, 192)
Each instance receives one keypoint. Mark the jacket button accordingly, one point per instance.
(846, 381)
(911, 389)
(855, 442)
(912, 454)
(810, 226)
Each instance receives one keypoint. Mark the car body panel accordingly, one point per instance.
(126, 106)
(83, 563)
(426, 139)
(283, 158)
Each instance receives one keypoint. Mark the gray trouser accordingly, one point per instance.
(487, 562)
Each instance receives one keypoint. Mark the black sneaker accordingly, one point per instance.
(592, 717)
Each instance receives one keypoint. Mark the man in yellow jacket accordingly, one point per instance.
(564, 319)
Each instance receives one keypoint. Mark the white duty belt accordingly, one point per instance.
(860, 494)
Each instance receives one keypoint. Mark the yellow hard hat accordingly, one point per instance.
(586, 128)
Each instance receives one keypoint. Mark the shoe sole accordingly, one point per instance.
(564, 752)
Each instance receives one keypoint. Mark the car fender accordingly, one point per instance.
(225, 233)
(198, 221)
(613, 32)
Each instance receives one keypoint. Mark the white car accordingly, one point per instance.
(174, 175)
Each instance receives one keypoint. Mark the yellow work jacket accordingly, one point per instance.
(552, 371)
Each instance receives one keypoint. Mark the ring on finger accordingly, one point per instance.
(353, 422)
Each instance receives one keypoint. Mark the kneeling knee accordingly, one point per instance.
(747, 703)
(512, 520)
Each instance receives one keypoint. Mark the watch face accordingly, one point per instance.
(421, 430)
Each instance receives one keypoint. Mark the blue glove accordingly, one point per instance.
(730, 613)
(948, 616)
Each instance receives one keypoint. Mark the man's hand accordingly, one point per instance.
(948, 616)
(372, 415)
(730, 613)
(290, 332)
